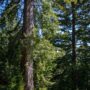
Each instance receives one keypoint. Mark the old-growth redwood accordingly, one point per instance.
(26, 60)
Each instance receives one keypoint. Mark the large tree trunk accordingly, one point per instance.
(74, 74)
(27, 62)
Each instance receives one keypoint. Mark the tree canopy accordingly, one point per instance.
(44, 44)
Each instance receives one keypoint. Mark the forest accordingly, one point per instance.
(44, 44)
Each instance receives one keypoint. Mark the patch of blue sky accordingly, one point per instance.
(3, 5)
(38, 6)
(20, 11)
(88, 26)
(58, 11)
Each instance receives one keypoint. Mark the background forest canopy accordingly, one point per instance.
(58, 44)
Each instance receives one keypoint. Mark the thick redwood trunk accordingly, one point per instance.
(27, 62)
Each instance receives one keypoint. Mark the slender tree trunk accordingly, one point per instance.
(74, 74)
(27, 62)
(73, 34)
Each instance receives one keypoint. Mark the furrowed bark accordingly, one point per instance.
(27, 61)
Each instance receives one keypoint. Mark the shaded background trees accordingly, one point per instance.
(52, 47)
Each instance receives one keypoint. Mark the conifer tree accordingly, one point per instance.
(27, 61)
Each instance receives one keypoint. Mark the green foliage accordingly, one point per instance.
(44, 57)
(69, 1)
(49, 20)
(10, 74)
(53, 65)
(63, 72)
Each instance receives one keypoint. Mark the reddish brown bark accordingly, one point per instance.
(27, 62)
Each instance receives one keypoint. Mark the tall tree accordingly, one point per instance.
(27, 62)
(73, 23)
(73, 46)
